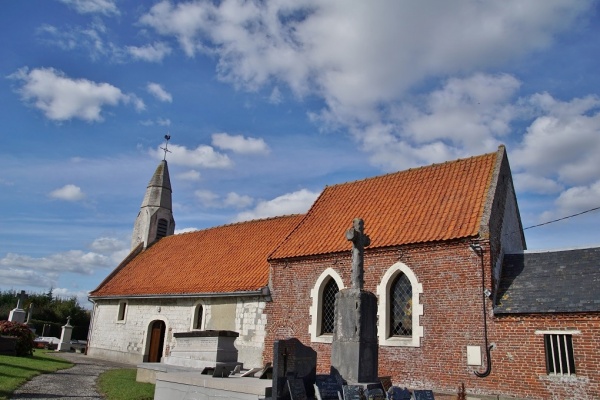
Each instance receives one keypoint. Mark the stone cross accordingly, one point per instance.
(359, 241)
(68, 321)
(21, 298)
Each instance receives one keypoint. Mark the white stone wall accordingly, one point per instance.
(127, 340)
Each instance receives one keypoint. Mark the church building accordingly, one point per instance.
(460, 300)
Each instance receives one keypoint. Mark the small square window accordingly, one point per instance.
(560, 359)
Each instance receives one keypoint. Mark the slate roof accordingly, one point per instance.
(225, 259)
(432, 203)
(550, 282)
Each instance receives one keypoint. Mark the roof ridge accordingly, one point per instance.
(238, 223)
(411, 169)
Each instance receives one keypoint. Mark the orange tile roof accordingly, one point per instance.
(432, 203)
(225, 259)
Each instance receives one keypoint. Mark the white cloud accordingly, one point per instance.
(75, 261)
(291, 203)
(159, 92)
(191, 175)
(80, 295)
(358, 55)
(275, 97)
(108, 245)
(68, 193)
(157, 121)
(93, 38)
(575, 200)
(525, 182)
(237, 201)
(563, 141)
(362, 59)
(25, 277)
(105, 7)
(240, 144)
(61, 98)
(201, 156)
(154, 52)
(213, 200)
(207, 198)
(185, 230)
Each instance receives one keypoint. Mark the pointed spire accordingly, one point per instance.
(155, 219)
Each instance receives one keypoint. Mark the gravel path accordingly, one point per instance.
(78, 382)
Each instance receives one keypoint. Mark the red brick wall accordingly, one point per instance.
(519, 359)
(453, 318)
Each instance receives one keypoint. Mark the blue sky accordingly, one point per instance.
(268, 102)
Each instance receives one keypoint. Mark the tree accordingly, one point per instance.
(49, 311)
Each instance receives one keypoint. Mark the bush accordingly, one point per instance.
(22, 332)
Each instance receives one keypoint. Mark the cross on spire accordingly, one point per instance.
(166, 148)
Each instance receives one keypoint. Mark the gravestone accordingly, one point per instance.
(400, 394)
(386, 382)
(353, 392)
(328, 387)
(18, 314)
(354, 351)
(423, 395)
(8, 345)
(292, 359)
(296, 389)
(375, 391)
(65, 336)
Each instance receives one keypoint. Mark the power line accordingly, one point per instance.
(563, 218)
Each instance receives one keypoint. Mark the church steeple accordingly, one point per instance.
(155, 219)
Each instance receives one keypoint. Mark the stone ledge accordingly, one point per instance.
(209, 333)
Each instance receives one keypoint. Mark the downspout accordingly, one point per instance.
(478, 249)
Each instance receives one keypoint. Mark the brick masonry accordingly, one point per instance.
(450, 273)
(453, 317)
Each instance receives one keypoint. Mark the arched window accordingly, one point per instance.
(322, 309)
(161, 228)
(399, 309)
(401, 306)
(198, 316)
(328, 307)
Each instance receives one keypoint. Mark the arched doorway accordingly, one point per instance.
(157, 341)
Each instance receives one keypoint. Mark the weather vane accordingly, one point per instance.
(166, 149)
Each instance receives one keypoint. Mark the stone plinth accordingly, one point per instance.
(200, 349)
(65, 338)
(354, 352)
(17, 315)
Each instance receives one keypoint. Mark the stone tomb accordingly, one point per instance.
(293, 360)
(204, 349)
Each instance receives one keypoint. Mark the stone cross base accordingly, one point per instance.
(355, 350)
(17, 315)
(65, 338)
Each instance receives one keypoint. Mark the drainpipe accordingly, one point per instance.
(478, 249)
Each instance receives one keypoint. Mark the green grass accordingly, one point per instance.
(15, 371)
(120, 384)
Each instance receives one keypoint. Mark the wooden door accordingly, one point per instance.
(157, 340)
